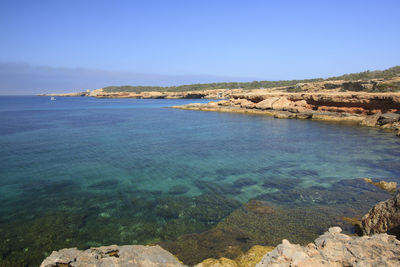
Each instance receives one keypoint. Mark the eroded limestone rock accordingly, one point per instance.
(336, 249)
(151, 256)
(384, 217)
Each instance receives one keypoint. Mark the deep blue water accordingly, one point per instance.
(99, 157)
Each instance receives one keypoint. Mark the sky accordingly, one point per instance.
(67, 45)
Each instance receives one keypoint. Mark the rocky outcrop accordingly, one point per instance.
(336, 249)
(209, 94)
(369, 109)
(151, 256)
(387, 186)
(384, 217)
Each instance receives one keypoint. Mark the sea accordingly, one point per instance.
(83, 172)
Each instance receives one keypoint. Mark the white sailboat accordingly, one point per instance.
(52, 98)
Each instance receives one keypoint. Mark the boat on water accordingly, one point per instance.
(52, 98)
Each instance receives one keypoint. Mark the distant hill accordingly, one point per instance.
(366, 75)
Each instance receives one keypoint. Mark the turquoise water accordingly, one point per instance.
(101, 171)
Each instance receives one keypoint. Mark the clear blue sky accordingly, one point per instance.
(267, 40)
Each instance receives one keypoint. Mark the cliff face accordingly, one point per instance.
(213, 94)
(355, 103)
(369, 109)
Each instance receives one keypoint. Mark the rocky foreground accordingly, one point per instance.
(369, 109)
(330, 249)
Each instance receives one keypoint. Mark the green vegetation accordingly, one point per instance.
(388, 87)
(366, 75)
(206, 86)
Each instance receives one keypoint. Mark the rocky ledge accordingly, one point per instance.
(336, 249)
(330, 249)
(369, 109)
(112, 256)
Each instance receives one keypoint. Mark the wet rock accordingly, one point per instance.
(384, 217)
(284, 115)
(371, 120)
(387, 186)
(112, 256)
(304, 115)
(336, 249)
(389, 117)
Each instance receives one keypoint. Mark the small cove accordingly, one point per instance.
(81, 172)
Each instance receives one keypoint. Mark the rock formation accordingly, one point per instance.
(151, 256)
(336, 249)
(369, 109)
(384, 217)
(387, 186)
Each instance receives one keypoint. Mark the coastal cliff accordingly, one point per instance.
(369, 109)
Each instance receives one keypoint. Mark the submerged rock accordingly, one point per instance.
(112, 256)
(258, 206)
(178, 190)
(384, 217)
(387, 186)
(248, 259)
(336, 249)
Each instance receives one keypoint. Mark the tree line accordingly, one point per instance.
(366, 75)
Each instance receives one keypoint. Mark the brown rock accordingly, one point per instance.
(371, 120)
(304, 115)
(388, 117)
(267, 103)
(247, 104)
(223, 103)
(300, 103)
(281, 104)
(384, 217)
(387, 186)
(284, 115)
(258, 206)
(152, 256)
(336, 249)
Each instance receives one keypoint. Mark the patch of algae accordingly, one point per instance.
(248, 259)
(390, 187)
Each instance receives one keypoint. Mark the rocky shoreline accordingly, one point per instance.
(375, 248)
(369, 109)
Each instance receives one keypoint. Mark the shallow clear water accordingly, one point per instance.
(111, 162)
